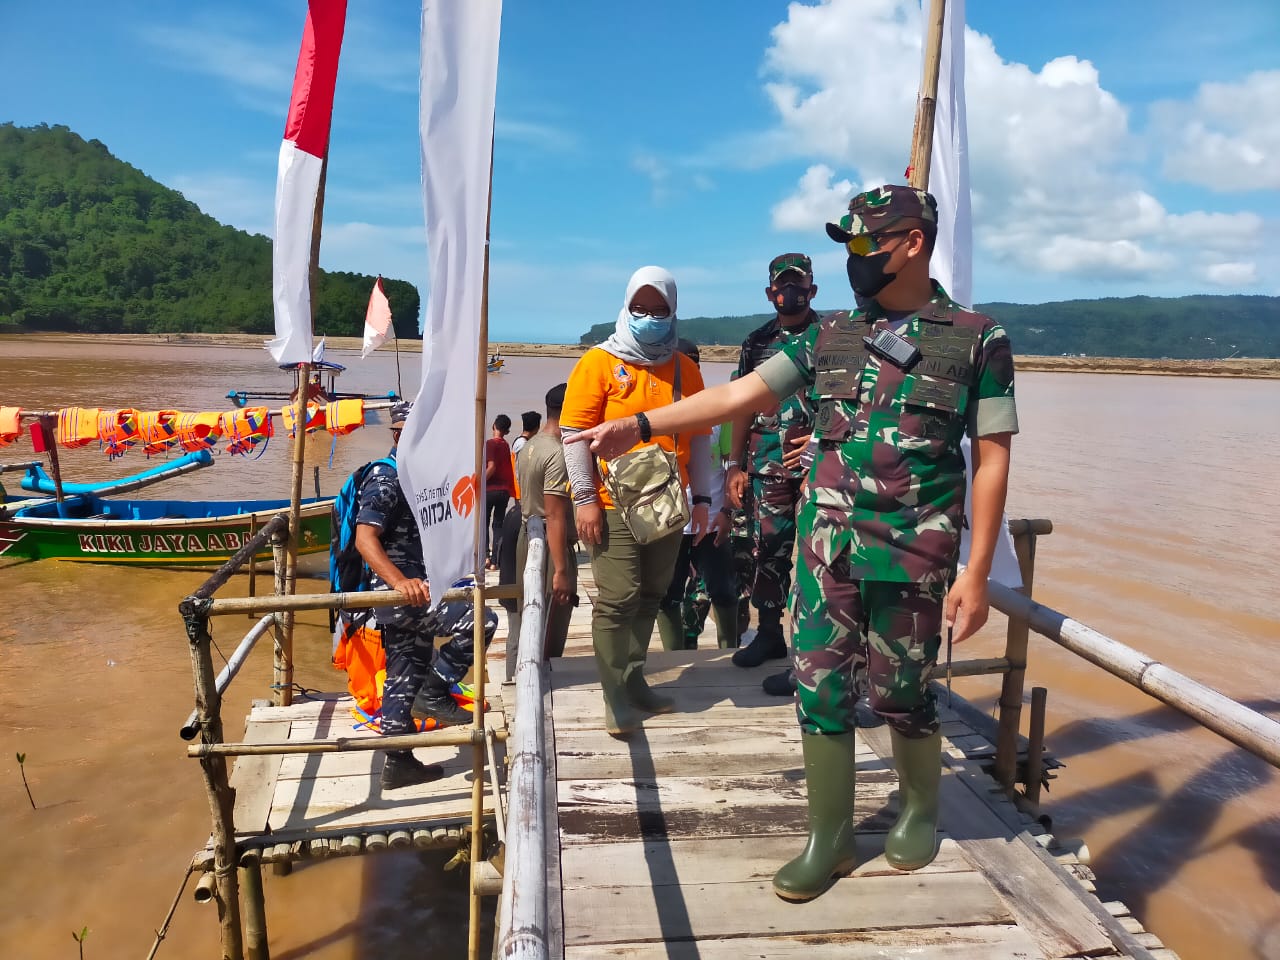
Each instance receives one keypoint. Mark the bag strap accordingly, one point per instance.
(675, 395)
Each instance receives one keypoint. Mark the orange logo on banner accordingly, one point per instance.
(464, 495)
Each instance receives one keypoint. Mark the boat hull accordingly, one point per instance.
(168, 542)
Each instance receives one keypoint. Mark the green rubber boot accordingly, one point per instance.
(670, 629)
(635, 685)
(913, 841)
(645, 697)
(829, 775)
(726, 616)
(613, 651)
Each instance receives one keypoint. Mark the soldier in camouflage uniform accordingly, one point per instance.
(898, 383)
(388, 540)
(759, 443)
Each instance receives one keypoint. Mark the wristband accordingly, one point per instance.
(646, 432)
(701, 499)
(727, 511)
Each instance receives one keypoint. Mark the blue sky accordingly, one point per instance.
(1117, 148)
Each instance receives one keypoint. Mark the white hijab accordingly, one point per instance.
(626, 347)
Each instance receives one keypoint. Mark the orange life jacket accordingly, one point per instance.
(343, 416)
(117, 429)
(246, 429)
(158, 430)
(315, 417)
(77, 426)
(359, 652)
(10, 425)
(198, 431)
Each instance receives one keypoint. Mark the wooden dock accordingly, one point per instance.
(667, 842)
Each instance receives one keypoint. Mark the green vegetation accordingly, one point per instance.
(90, 244)
(1185, 328)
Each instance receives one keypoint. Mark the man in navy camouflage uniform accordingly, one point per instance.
(880, 528)
(760, 445)
(388, 540)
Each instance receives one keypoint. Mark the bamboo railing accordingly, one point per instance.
(522, 916)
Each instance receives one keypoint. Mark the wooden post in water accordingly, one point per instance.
(217, 785)
(478, 610)
(1015, 651)
(922, 135)
(255, 910)
(1035, 744)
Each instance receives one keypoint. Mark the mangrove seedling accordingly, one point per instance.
(80, 939)
(22, 758)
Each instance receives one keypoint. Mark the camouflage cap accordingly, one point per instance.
(789, 261)
(872, 211)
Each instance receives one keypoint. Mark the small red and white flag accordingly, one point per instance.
(306, 141)
(377, 320)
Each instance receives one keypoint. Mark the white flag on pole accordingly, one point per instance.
(377, 320)
(458, 83)
(952, 261)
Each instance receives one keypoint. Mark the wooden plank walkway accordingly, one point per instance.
(668, 840)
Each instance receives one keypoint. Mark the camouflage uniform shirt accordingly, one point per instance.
(764, 441)
(888, 484)
(381, 504)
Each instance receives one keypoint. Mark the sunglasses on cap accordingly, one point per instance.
(866, 243)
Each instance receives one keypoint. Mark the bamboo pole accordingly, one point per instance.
(1015, 651)
(478, 611)
(228, 673)
(922, 135)
(280, 565)
(1035, 744)
(217, 785)
(255, 912)
(356, 600)
(447, 737)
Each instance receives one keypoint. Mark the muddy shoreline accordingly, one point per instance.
(1237, 368)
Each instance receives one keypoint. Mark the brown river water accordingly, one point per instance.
(1161, 490)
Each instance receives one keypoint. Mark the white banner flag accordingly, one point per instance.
(437, 458)
(377, 320)
(952, 261)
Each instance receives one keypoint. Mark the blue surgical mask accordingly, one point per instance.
(648, 330)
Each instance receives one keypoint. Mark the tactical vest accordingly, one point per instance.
(939, 380)
(761, 347)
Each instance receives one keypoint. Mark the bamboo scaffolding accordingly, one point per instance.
(228, 673)
(447, 737)
(922, 135)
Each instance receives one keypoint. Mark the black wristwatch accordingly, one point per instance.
(727, 511)
(701, 499)
(646, 431)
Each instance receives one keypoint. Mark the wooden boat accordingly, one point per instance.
(177, 533)
(496, 362)
(321, 388)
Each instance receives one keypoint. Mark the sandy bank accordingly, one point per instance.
(1261, 368)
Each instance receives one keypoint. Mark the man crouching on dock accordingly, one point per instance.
(388, 540)
(896, 386)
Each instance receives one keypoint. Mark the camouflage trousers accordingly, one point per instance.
(743, 549)
(871, 636)
(408, 637)
(776, 501)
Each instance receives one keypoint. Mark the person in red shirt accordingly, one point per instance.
(500, 484)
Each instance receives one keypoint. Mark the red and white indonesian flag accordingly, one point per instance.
(377, 320)
(952, 261)
(437, 458)
(306, 141)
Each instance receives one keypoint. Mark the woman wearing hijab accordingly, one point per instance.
(632, 372)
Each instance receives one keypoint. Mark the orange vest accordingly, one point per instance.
(343, 416)
(117, 429)
(10, 425)
(246, 429)
(315, 417)
(198, 431)
(77, 426)
(158, 429)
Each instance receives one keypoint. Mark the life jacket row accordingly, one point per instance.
(160, 430)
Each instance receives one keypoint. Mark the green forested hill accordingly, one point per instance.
(90, 244)
(1185, 328)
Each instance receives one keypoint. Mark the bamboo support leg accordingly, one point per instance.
(279, 555)
(1035, 743)
(1016, 653)
(255, 913)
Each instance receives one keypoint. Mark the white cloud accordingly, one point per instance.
(657, 172)
(544, 136)
(1056, 187)
(816, 201)
(1227, 137)
(1232, 274)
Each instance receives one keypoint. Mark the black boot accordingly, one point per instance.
(435, 702)
(768, 644)
(403, 769)
(780, 684)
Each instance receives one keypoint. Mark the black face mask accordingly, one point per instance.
(867, 275)
(790, 300)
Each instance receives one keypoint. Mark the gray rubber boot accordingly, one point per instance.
(913, 841)
(830, 853)
(726, 617)
(670, 629)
